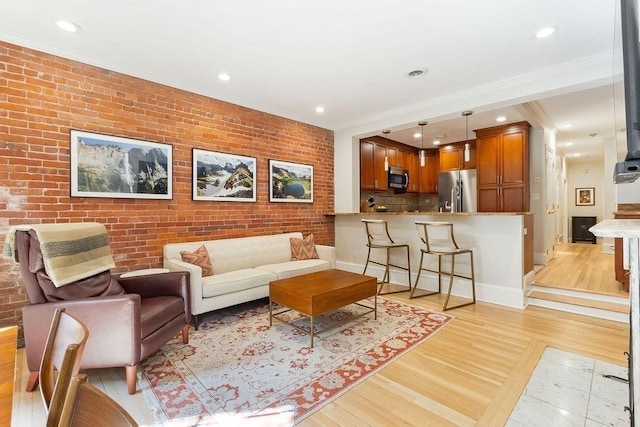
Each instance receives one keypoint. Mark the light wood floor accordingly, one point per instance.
(581, 267)
(472, 372)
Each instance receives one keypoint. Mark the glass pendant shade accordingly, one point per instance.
(422, 154)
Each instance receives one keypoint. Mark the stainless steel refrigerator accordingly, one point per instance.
(457, 191)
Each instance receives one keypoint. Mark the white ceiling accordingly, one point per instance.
(352, 57)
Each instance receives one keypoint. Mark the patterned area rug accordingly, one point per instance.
(237, 370)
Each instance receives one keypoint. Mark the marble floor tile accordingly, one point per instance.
(568, 389)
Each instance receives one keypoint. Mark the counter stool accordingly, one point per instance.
(439, 240)
(378, 238)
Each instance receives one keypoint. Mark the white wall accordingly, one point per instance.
(585, 174)
(628, 193)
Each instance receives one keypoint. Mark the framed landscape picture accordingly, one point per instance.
(113, 166)
(290, 182)
(223, 177)
(585, 196)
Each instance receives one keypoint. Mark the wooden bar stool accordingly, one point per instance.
(439, 240)
(378, 238)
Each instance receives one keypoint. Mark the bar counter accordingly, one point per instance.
(502, 244)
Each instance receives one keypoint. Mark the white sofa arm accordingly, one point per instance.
(327, 253)
(195, 280)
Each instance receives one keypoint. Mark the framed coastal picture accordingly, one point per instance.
(290, 182)
(585, 196)
(118, 167)
(223, 177)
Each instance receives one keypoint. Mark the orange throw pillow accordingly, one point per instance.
(303, 248)
(199, 257)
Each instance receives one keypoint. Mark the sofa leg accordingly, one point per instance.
(131, 372)
(185, 334)
(33, 381)
(196, 322)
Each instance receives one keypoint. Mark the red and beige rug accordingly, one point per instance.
(237, 370)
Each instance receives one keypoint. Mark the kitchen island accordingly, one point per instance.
(502, 244)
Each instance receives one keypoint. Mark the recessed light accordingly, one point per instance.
(417, 72)
(436, 142)
(545, 32)
(567, 144)
(417, 135)
(577, 155)
(224, 77)
(68, 26)
(443, 136)
(500, 119)
(566, 126)
(319, 109)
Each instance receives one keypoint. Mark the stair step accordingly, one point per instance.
(584, 302)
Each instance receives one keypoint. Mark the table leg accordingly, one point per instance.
(311, 325)
(375, 307)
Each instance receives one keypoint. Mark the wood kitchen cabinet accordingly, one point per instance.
(429, 173)
(625, 211)
(373, 176)
(452, 156)
(372, 173)
(502, 156)
(413, 166)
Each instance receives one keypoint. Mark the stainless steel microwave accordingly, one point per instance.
(398, 178)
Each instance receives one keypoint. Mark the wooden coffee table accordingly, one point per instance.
(314, 294)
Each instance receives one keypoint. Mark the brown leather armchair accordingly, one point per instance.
(128, 319)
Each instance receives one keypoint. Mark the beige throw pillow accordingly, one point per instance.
(303, 248)
(199, 257)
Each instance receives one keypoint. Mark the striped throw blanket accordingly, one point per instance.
(71, 251)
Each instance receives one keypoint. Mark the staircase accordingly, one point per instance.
(588, 304)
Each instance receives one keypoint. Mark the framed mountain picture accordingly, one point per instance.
(223, 177)
(118, 167)
(290, 182)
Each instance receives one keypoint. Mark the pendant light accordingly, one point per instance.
(386, 159)
(467, 146)
(423, 159)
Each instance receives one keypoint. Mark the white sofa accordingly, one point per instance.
(242, 268)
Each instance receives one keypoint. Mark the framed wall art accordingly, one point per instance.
(223, 177)
(117, 167)
(290, 182)
(585, 196)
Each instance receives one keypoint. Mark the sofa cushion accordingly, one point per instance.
(234, 281)
(302, 249)
(288, 269)
(199, 257)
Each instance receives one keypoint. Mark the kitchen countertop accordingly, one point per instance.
(433, 213)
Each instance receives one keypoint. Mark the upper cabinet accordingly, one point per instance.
(429, 173)
(503, 168)
(373, 176)
(452, 156)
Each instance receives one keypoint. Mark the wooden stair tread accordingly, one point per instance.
(584, 302)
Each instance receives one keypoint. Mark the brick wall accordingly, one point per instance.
(42, 97)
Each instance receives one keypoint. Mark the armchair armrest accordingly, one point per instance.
(175, 283)
(327, 253)
(110, 319)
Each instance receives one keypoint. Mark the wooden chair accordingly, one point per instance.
(85, 405)
(61, 359)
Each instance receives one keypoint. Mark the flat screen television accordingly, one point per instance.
(629, 169)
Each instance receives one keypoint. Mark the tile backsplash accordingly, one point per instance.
(399, 202)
